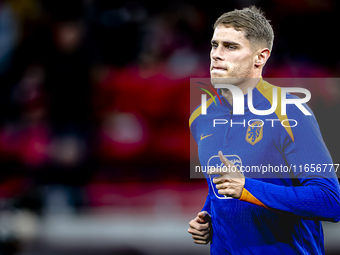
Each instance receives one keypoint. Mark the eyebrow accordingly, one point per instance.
(225, 42)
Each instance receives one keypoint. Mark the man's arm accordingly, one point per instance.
(207, 206)
(200, 228)
(318, 193)
(315, 199)
(317, 196)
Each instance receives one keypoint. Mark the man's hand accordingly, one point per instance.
(231, 181)
(200, 228)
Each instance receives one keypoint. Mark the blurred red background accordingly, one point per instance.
(94, 109)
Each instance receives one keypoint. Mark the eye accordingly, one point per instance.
(230, 47)
(214, 45)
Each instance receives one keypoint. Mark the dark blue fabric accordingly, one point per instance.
(297, 200)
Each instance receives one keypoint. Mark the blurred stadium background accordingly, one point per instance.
(94, 109)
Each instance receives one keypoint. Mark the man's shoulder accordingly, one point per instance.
(198, 111)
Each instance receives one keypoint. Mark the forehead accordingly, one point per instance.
(228, 33)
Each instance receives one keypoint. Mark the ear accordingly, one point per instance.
(262, 57)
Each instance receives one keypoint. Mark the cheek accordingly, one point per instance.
(249, 57)
(243, 60)
(235, 57)
(241, 56)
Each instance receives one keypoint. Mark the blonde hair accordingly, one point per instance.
(252, 21)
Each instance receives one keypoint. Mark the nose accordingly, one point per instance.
(216, 53)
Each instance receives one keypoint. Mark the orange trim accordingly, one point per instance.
(266, 89)
(198, 111)
(248, 197)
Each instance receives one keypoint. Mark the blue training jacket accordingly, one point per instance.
(290, 184)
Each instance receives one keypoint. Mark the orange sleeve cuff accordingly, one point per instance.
(248, 197)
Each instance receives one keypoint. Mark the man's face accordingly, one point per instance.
(231, 56)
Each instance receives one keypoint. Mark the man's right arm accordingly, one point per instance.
(200, 228)
(207, 204)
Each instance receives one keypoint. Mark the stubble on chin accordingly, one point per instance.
(234, 77)
(226, 80)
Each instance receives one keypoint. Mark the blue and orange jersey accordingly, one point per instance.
(290, 181)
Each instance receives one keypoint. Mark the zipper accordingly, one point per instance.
(227, 130)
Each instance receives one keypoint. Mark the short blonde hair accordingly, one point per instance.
(252, 21)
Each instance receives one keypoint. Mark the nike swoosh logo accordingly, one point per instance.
(202, 137)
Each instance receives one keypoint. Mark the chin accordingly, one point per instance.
(218, 76)
(219, 80)
(225, 80)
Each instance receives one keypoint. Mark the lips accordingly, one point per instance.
(218, 68)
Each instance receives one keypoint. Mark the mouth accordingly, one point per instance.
(218, 69)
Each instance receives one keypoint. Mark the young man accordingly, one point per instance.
(278, 212)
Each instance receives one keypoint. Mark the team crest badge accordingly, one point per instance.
(254, 132)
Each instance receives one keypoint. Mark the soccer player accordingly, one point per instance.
(279, 211)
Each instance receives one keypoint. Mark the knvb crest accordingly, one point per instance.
(254, 132)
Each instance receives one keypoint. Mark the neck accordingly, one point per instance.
(244, 85)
